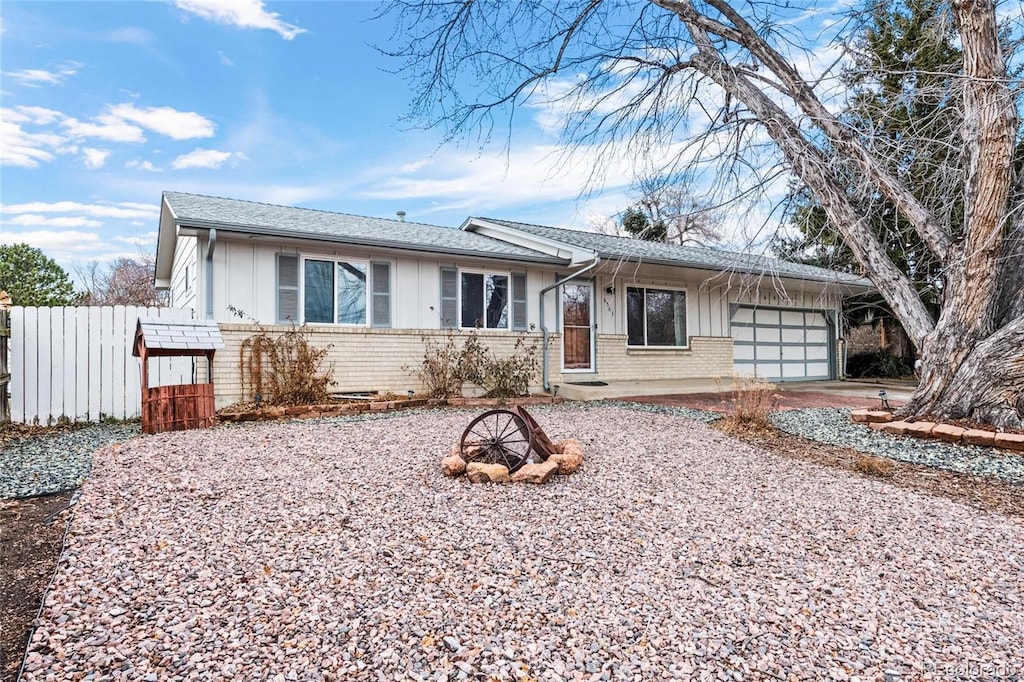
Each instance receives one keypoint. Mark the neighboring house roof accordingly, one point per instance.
(703, 258)
(251, 217)
(174, 336)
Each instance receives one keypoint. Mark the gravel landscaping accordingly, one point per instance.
(834, 426)
(55, 461)
(335, 550)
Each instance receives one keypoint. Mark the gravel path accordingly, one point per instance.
(57, 461)
(834, 426)
(337, 551)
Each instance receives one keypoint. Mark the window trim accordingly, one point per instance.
(644, 288)
(508, 303)
(335, 260)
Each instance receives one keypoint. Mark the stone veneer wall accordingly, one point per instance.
(373, 359)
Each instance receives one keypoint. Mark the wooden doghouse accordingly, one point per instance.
(182, 406)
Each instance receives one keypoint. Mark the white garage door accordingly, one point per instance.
(781, 344)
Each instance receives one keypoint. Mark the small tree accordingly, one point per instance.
(34, 279)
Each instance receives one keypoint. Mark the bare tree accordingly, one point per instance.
(123, 281)
(688, 219)
(694, 86)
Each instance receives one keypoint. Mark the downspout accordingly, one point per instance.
(544, 374)
(211, 245)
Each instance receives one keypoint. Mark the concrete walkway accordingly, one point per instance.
(897, 390)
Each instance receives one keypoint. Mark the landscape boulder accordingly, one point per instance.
(480, 472)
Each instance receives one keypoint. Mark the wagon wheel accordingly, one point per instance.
(497, 437)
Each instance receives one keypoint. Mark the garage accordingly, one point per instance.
(781, 344)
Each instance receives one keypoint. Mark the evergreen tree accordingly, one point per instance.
(34, 279)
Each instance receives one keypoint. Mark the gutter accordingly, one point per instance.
(545, 383)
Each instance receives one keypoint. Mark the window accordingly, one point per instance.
(477, 299)
(484, 301)
(656, 317)
(333, 291)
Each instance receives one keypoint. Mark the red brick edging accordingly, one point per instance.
(337, 409)
(881, 420)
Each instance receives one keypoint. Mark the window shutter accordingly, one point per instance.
(380, 296)
(287, 288)
(449, 298)
(518, 301)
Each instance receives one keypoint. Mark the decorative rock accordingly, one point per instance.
(920, 429)
(1010, 441)
(536, 473)
(453, 465)
(569, 456)
(871, 416)
(979, 437)
(948, 432)
(877, 426)
(898, 428)
(479, 472)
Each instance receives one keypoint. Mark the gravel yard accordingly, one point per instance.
(834, 427)
(336, 550)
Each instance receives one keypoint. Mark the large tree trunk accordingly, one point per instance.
(983, 382)
(973, 356)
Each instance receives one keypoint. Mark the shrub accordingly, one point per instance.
(286, 370)
(509, 377)
(752, 399)
(443, 370)
(873, 466)
(877, 364)
(446, 367)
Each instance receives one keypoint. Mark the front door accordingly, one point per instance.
(577, 327)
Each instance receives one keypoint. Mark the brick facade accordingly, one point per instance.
(375, 359)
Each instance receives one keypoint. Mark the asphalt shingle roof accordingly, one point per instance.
(612, 247)
(286, 221)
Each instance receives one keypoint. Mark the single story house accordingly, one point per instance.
(609, 308)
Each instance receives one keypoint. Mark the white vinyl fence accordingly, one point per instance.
(77, 363)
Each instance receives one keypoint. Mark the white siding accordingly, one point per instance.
(185, 274)
(244, 276)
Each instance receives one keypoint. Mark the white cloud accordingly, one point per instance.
(142, 165)
(240, 13)
(117, 123)
(104, 127)
(114, 210)
(203, 158)
(24, 148)
(224, 59)
(177, 125)
(94, 158)
(55, 244)
(38, 77)
(39, 115)
(36, 220)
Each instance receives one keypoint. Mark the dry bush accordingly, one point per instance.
(752, 399)
(286, 370)
(873, 466)
(446, 366)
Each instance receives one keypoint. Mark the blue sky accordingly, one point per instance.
(106, 104)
